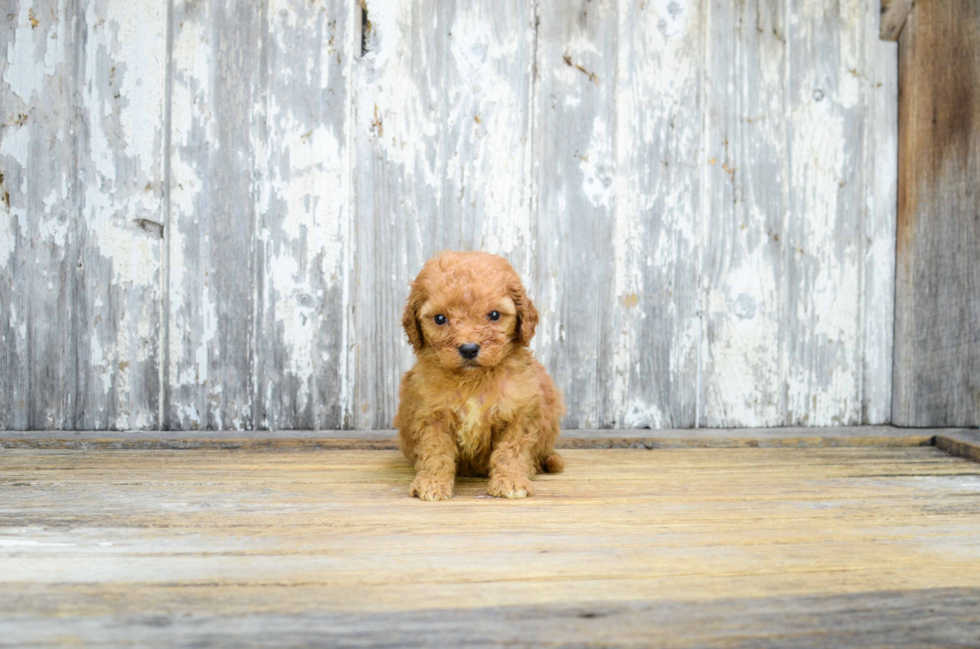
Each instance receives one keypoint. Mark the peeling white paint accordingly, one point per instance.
(641, 415)
(598, 167)
(133, 255)
(655, 239)
(16, 143)
(8, 236)
(176, 377)
(408, 133)
(53, 230)
(209, 323)
(310, 190)
(745, 349)
(829, 310)
(438, 138)
(34, 55)
(191, 93)
(15, 147)
(295, 317)
(486, 112)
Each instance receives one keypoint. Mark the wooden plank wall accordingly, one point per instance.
(937, 323)
(82, 166)
(212, 208)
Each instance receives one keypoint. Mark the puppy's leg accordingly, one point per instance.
(435, 461)
(512, 461)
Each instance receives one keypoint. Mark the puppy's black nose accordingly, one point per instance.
(469, 351)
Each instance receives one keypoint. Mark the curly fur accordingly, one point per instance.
(496, 415)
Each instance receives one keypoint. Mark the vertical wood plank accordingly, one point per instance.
(120, 220)
(651, 380)
(442, 113)
(881, 189)
(16, 41)
(401, 187)
(487, 127)
(213, 215)
(747, 201)
(303, 247)
(937, 319)
(37, 225)
(823, 242)
(575, 171)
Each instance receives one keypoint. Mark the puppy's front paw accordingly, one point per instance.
(510, 486)
(426, 487)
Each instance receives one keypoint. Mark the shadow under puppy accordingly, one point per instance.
(476, 402)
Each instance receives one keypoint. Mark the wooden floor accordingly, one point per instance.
(747, 547)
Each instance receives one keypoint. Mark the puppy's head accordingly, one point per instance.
(468, 311)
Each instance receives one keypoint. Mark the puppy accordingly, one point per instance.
(476, 403)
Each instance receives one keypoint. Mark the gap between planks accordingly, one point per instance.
(963, 443)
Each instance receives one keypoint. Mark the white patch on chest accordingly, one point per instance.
(471, 426)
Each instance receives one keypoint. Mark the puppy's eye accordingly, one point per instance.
(440, 319)
(494, 315)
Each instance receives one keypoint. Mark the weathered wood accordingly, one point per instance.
(933, 617)
(794, 320)
(442, 107)
(893, 16)
(753, 547)
(823, 241)
(747, 192)
(235, 254)
(261, 251)
(16, 91)
(149, 441)
(213, 236)
(650, 338)
(881, 189)
(303, 247)
(961, 443)
(119, 214)
(38, 210)
(575, 196)
(872, 436)
(937, 320)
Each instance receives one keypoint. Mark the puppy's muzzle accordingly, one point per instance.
(469, 351)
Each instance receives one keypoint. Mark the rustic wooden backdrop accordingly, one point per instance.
(211, 208)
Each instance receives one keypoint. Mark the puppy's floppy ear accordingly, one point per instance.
(410, 317)
(527, 315)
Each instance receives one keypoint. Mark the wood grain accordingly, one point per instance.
(877, 436)
(893, 16)
(442, 106)
(795, 243)
(961, 443)
(119, 148)
(937, 337)
(650, 338)
(38, 225)
(747, 187)
(303, 245)
(748, 546)
(213, 216)
(226, 205)
(933, 617)
(575, 174)
(823, 241)
(881, 165)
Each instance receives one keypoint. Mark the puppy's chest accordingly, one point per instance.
(473, 434)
